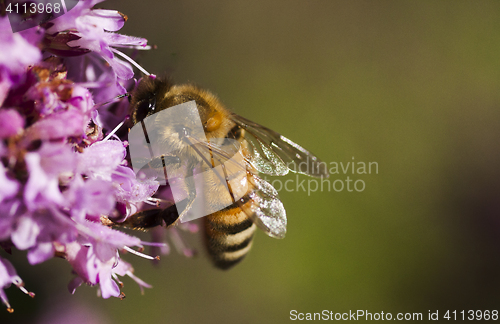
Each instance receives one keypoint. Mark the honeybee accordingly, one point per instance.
(250, 202)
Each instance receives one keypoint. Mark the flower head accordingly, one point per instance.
(9, 276)
(85, 30)
(59, 176)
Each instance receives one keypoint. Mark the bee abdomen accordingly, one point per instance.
(228, 242)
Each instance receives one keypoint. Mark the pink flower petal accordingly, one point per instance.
(59, 125)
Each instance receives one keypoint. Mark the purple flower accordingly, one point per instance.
(91, 30)
(5, 84)
(91, 198)
(45, 166)
(106, 240)
(9, 211)
(124, 268)
(42, 189)
(17, 53)
(96, 260)
(99, 160)
(9, 276)
(8, 187)
(132, 191)
(38, 231)
(69, 123)
(82, 100)
(11, 123)
(61, 182)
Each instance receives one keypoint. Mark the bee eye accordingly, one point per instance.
(145, 108)
(183, 131)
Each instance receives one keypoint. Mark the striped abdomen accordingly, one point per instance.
(229, 232)
(229, 235)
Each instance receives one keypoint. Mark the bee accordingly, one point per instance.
(248, 201)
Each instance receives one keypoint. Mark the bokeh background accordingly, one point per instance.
(413, 86)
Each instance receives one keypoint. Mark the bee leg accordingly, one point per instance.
(170, 215)
(185, 205)
(158, 216)
(144, 219)
(147, 219)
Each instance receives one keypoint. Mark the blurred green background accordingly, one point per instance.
(413, 86)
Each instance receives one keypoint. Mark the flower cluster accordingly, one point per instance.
(59, 175)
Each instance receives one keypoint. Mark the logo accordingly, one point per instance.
(27, 14)
(205, 176)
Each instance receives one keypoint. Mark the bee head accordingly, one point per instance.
(156, 94)
(145, 98)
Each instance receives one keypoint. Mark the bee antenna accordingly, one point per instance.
(112, 100)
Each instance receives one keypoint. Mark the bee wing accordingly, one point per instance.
(218, 151)
(267, 211)
(274, 154)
